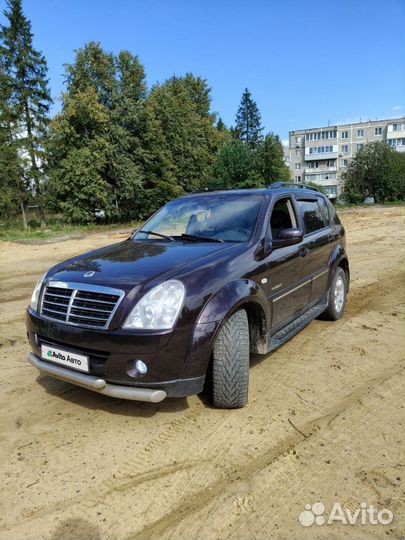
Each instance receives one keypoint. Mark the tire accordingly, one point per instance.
(336, 296)
(230, 368)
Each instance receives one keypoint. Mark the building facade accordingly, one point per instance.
(321, 155)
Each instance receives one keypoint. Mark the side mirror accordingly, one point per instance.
(133, 233)
(288, 237)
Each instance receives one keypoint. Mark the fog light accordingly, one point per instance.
(141, 367)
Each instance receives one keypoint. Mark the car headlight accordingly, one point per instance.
(35, 294)
(159, 308)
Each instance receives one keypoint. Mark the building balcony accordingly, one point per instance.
(320, 171)
(321, 156)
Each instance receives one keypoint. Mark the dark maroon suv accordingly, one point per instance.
(207, 280)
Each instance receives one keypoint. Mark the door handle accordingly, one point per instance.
(303, 251)
(331, 237)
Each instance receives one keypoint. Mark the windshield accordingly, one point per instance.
(220, 218)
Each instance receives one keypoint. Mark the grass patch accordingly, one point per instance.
(12, 232)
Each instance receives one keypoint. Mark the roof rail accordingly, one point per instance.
(207, 189)
(276, 185)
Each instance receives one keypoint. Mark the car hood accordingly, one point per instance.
(131, 263)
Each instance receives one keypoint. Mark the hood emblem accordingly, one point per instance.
(89, 274)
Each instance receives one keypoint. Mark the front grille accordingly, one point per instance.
(80, 304)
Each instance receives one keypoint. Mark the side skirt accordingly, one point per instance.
(290, 330)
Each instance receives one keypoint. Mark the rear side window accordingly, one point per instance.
(312, 215)
(323, 205)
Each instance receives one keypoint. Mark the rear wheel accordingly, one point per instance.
(337, 296)
(230, 369)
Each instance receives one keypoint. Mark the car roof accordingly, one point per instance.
(274, 189)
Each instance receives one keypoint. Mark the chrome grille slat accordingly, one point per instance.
(91, 309)
(93, 300)
(90, 306)
(54, 303)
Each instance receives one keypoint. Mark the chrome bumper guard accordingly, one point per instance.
(96, 384)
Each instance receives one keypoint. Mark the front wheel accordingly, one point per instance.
(230, 369)
(337, 296)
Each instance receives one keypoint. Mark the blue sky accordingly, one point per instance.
(305, 62)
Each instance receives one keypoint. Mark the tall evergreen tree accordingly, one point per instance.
(28, 96)
(248, 120)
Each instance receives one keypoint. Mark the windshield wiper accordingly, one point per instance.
(199, 238)
(165, 236)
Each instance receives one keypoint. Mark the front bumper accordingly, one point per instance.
(96, 384)
(173, 367)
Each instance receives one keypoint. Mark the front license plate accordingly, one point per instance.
(65, 358)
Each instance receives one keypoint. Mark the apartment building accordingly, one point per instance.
(321, 155)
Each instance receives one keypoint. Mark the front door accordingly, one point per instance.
(288, 267)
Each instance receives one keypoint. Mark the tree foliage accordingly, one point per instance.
(378, 171)
(116, 145)
(25, 101)
(248, 120)
(240, 165)
(181, 107)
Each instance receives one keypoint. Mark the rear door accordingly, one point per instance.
(288, 267)
(319, 239)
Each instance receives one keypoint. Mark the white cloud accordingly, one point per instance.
(397, 108)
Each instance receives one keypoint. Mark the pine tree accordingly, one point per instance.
(248, 120)
(28, 102)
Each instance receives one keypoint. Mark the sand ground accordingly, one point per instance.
(324, 423)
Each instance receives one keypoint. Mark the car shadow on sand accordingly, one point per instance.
(95, 401)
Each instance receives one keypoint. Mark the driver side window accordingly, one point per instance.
(282, 217)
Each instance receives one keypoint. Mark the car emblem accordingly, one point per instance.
(89, 274)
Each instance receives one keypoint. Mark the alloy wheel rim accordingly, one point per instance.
(339, 294)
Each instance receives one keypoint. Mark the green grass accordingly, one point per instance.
(13, 232)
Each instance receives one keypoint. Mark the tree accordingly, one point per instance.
(181, 109)
(108, 132)
(236, 167)
(28, 98)
(273, 166)
(378, 171)
(248, 120)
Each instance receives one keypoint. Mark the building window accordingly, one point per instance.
(297, 166)
(396, 142)
(398, 127)
(298, 140)
(297, 153)
(320, 177)
(345, 148)
(378, 131)
(330, 163)
(298, 178)
(330, 190)
(360, 133)
(330, 134)
(360, 146)
(320, 149)
(345, 134)
(313, 164)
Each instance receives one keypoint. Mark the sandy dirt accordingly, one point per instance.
(324, 423)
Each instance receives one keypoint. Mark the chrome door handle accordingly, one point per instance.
(303, 251)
